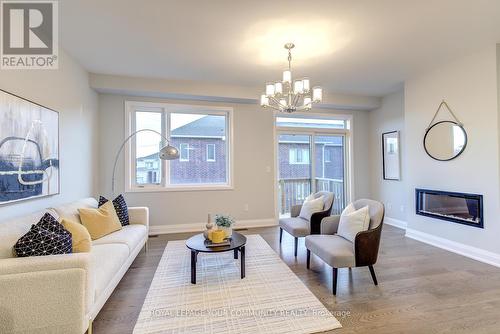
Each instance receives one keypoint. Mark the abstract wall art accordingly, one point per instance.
(29, 149)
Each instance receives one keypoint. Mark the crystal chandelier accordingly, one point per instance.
(285, 97)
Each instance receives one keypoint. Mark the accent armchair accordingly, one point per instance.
(338, 252)
(299, 227)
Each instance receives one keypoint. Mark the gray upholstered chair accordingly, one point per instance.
(338, 252)
(299, 227)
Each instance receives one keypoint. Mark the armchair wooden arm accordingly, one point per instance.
(366, 245)
(316, 219)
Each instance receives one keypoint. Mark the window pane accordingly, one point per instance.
(210, 152)
(148, 165)
(330, 168)
(294, 170)
(184, 152)
(318, 123)
(198, 132)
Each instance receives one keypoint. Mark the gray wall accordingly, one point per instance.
(67, 91)
(253, 166)
(469, 85)
(389, 117)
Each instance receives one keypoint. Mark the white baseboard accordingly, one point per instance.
(198, 227)
(455, 247)
(395, 222)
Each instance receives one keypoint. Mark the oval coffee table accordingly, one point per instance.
(197, 244)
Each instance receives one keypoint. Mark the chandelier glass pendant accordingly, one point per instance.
(285, 97)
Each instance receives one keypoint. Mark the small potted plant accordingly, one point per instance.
(225, 223)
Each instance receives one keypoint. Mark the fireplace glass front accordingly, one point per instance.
(459, 208)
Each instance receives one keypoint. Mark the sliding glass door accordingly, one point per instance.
(330, 168)
(310, 162)
(294, 170)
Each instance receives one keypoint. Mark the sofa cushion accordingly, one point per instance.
(336, 251)
(70, 211)
(296, 226)
(120, 208)
(81, 240)
(39, 242)
(130, 235)
(100, 222)
(11, 230)
(107, 259)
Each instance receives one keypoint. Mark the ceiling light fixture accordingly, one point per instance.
(285, 97)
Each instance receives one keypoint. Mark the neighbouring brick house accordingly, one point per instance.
(202, 147)
(294, 161)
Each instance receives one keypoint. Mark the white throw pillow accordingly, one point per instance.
(353, 221)
(311, 206)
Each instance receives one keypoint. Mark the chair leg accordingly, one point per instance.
(372, 272)
(334, 281)
(296, 245)
(308, 259)
(89, 330)
(281, 234)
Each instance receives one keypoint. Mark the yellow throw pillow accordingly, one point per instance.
(100, 222)
(80, 236)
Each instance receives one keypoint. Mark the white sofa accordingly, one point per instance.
(64, 293)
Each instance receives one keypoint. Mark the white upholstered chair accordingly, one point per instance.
(299, 227)
(338, 252)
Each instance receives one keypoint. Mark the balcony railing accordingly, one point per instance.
(294, 191)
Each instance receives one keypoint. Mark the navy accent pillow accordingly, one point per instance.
(49, 223)
(120, 208)
(40, 241)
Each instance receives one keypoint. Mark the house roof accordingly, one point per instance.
(153, 156)
(207, 126)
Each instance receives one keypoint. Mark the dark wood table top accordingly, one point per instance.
(197, 243)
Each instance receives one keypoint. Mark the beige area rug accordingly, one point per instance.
(270, 299)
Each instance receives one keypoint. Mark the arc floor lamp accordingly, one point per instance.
(167, 152)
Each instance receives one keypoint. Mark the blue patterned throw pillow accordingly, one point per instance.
(49, 223)
(44, 238)
(120, 208)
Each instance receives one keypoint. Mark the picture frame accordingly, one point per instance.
(391, 156)
(29, 149)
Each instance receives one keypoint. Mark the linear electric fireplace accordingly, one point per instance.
(459, 208)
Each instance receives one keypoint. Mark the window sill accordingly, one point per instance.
(184, 188)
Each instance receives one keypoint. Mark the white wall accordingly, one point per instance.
(469, 85)
(67, 91)
(389, 117)
(254, 153)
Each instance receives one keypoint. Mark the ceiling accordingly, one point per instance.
(362, 47)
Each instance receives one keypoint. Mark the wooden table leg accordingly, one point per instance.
(193, 266)
(236, 253)
(242, 251)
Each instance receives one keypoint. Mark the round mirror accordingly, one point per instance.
(445, 140)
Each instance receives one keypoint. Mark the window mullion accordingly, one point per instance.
(165, 163)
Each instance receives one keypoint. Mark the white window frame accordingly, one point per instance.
(166, 109)
(180, 152)
(208, 158)
(295, 161)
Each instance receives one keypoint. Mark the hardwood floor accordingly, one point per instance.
(422, 289)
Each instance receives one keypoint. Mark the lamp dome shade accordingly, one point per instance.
(169, 153)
